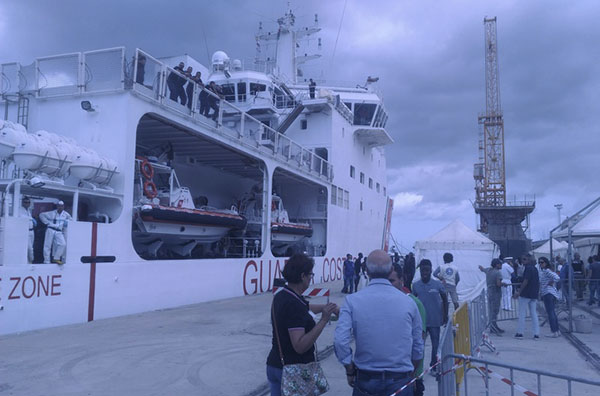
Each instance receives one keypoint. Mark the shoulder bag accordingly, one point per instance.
(302, 379)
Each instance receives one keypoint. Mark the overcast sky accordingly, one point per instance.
(429, 56)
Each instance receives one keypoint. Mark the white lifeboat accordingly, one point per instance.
(89, 165)
(44, 152)
(11, 134)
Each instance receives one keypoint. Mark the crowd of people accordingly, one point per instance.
(390, 319)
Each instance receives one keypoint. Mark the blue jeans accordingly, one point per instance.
(380, 387)
(594, 288)
(523, 304)
(434, 335)
(549, 301)
(274, 377)
(348, 283)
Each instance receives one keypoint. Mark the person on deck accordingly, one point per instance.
(175, 82)
(54, 241)
(25, 211)
(311, 88)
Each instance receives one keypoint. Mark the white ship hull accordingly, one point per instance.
(104, 276)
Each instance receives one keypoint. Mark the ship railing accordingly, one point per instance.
(230, 120)
(107, 70)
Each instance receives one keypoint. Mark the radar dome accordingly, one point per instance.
(236, 64)
(220, 58)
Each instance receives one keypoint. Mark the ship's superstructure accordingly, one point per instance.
(169, 206)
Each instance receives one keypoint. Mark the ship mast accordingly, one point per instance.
(286, 39)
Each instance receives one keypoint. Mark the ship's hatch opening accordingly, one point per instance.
(298, 215)
(194, 197)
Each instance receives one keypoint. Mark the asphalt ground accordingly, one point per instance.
(219, 348)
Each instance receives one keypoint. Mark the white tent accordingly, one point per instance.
(470, 250)
(586, 223)
(558, 249)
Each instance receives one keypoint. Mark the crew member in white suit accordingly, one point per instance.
(507, 271)
(25, 211)
(54, 242)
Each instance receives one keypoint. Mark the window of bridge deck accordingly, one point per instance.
(241, 91)
(363, 113)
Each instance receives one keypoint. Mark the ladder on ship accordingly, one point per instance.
(23, 110)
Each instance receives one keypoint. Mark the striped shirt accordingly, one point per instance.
(548, 280)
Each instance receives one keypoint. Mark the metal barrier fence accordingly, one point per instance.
(573, 385)
(446, 378)
(479, 323)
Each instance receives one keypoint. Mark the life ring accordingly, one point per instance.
(150, 190)
(147, 169)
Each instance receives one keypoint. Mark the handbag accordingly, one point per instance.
(301, 379)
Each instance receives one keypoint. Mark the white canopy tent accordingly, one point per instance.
(558, 249)
(585, 230)
(470, 250)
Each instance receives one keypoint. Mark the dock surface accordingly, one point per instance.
(214, 348)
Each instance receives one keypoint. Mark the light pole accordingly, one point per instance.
(559, 207)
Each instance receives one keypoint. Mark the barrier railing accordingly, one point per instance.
(467, 363)
(479, 323)
(446, 378)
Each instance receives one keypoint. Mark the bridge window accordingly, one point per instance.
(370, 183)
(363, 113)
(241, 91)
(255, 88)
(377, 187)
(352, 172)
(228, 92)
(362, 178)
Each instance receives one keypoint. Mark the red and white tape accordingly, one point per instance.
(316, 292)
(508, 382)
(415, 379)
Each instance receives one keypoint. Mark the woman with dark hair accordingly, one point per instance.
(294, 329)
(548, 281)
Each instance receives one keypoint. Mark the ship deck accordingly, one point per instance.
(217, 348)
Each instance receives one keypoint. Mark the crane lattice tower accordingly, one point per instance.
(490, 171)
(502, 222)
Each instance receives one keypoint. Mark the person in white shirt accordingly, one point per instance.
(25, 211)
(507, 271)
(54, 242)
(448, 274)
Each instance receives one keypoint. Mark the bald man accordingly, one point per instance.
(387, 328)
